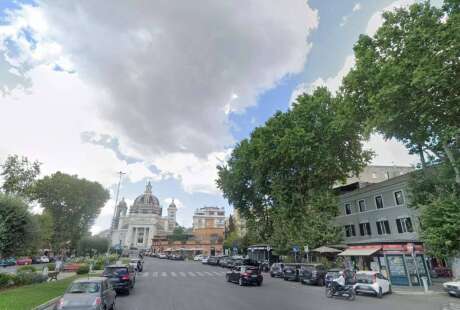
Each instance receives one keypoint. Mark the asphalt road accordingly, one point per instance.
(177, 285)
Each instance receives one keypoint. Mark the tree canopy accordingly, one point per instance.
(19, 175)
(289, 165)
(74, 204)
(406, 81)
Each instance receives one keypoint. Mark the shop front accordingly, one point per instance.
(402, 263)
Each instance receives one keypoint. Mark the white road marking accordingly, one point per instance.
(173, 274)
(191, 273)
(208, 273)
(155, 274)
(199, 273)
(217, 273)
(182, 273)
(145, 274)
(164, 274)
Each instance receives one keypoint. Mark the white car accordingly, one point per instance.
(204, 260)
(452, 288)
(162, 256)
(44, 259)
(198, 257)
(372, 282)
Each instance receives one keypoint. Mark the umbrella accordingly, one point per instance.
(325, 249)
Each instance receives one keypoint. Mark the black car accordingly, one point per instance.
(334, 273)
(245, 275)
(312, 274)
(234, 262)
(291, 272)
(276, 270)
(213, 260)
(122, 277)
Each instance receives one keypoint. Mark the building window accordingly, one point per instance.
(399, 198)
(379, 202)
(365, 229)
(350, 230)
(362, 205)
(140, 236)
(404, 225)
(347, 208)
(383, 227)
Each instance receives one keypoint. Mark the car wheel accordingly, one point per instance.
(328, 292)
(380, 294)
(227, 277)
(240, 282)
(352, 295)
(321, 282)
(128, 291)
(259, 283)
(390, 290)
(285, 279)
(271, 275)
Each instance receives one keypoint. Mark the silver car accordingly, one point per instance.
(95, 293)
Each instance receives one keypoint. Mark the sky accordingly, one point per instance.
(162, 90)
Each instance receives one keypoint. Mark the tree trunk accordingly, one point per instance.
(422, 156)
(450, 156)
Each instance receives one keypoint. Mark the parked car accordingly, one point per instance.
(291, 272)
(244, 275)
(24, 261)
(88, 293)
(372, 282)
(312, 274)
(44, 259)
(235, 262)
(452, 288)
(276, 270)
(204, 260)
(122, 277)
(223, 261)
(10, 261)
(177, 257)
(36, 259)
(162, 256)
(198, 257)
(334, 273)
(137, 263)
(213, 260)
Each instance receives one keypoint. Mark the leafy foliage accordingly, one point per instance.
(436, 195)
(83, 269)
(406, 81)
(92, 245)
(16, 235)
(179, 234)
(285, 171)
(73, 204)
(19, 175)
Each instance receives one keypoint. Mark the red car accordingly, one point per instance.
(24, 261)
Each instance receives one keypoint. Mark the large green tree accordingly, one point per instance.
(73, 203)
(406, 82)
(92, 245)
(19, 175)
(277, 177)
(17, 227)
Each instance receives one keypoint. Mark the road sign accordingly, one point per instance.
(306, 249)
(295, 248)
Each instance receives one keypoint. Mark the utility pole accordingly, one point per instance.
(120, 173)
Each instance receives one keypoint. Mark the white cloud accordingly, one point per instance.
(389, 152)
(376, 19)
(170, 68)
(332, 83)
(356, 7)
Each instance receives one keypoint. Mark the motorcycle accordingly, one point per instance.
(345, 291)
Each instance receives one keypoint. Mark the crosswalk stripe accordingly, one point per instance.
(191, 273)
(217, 273)
(199, 273)
(164, 274)
(173, 274)
(208, 273)
(155, 274)
(145, 274)
(182, 274)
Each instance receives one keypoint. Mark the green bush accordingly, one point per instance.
(27, 268)
(6, 280)
(25, 278)
(98, 266)
(51, 266)
(83, 269)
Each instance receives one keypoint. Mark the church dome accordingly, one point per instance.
(146, 203)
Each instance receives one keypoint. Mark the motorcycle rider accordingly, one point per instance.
(339, 283)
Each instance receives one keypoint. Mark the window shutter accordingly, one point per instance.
(398, 224)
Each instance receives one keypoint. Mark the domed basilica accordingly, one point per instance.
(136, 228)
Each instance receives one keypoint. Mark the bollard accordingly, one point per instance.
(425, 284)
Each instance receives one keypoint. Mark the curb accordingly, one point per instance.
(417, 293)
(48, 304)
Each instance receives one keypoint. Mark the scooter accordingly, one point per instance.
(346, 291)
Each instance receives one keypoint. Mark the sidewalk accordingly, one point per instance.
(435, 289)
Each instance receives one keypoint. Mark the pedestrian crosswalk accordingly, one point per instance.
(180, 274)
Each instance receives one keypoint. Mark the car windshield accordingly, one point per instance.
(364, 278)
(115, 270)
(333, 274)
(84, 287)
